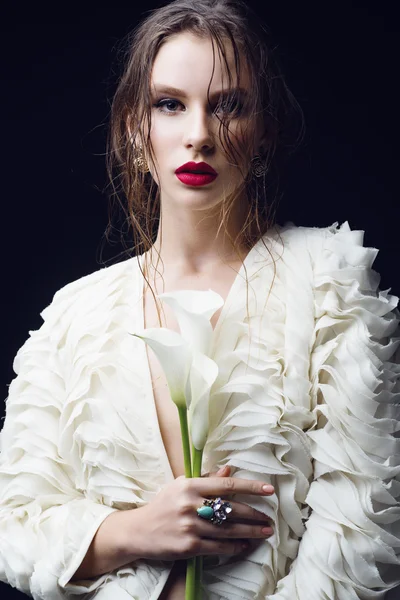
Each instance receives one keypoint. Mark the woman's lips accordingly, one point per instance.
(195, 179)
(193, 167)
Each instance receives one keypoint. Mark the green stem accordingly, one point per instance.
(185, 440)
(190, 591)
(197, 458)
(196, 470)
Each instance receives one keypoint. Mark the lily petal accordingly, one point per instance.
(193, 310)
(203, 373)
(175, 357)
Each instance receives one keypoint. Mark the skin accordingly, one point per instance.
(185, 130)
(168, 528)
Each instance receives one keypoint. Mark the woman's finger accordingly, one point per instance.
(244, 512)
(220, 546)
(232, 530)
(224, 471)
(223, 486)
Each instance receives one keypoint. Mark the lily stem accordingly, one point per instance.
(190, 590)
(197, 456)
(185, 440)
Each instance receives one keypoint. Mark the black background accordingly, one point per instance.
(57, 80)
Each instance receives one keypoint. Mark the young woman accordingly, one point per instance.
(93, 501)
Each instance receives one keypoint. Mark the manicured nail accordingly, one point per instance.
(267, 531)
(269, 489)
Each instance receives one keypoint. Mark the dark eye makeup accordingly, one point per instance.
(229, 104)
(166, 103)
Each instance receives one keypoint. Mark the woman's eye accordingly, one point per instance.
(230, 106)
(164, 106)
(168, 106)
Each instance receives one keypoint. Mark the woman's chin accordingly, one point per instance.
(201, 197)
(191, 197)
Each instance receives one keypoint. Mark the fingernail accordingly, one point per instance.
(269, 489)
(223, 469)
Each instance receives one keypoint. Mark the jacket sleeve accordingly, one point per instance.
(46, 522)
(351, 546)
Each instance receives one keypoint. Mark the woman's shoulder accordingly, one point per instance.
(85, 294)
(333, 256)
(104, 275)
(83, 311)
(341, 268)
(328, 246)
(292, 232)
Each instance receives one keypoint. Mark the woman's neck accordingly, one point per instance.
(194, 243)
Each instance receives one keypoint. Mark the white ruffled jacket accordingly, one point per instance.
(310, 402)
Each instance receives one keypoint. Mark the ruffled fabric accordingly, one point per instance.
(79, 441)
(262, 406)
(307, 398)
(42, 515)
(351, 546)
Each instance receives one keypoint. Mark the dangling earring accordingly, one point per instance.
(258, 166)
(140, 162)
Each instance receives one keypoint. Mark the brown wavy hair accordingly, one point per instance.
(277, 114)
(281, 116)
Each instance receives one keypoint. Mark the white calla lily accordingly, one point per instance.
(193, 310)
(190, 374)
(175, 356)
(203, 374)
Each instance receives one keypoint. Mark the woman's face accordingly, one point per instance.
(184, 129)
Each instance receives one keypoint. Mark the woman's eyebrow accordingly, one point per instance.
(167, 89)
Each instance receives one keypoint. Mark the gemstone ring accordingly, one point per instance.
(216, 511)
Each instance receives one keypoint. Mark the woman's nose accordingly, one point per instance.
(198, 130)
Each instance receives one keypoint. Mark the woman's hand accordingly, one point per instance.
(168, 528)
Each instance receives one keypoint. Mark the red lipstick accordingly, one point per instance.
(196, 174)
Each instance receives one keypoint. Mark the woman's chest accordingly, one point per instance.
(167, 413)
(167, 416)
(121, 428)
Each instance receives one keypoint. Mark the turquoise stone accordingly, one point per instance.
(205, 512)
